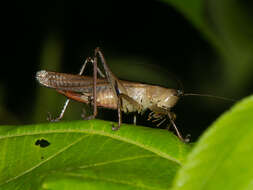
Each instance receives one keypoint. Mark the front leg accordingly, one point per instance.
(171, 116)
(158, 113)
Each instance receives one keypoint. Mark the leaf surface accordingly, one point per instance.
(88, 154)
(223, 157)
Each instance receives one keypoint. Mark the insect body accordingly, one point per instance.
(79, 88)
(110, 92)
(140, 97)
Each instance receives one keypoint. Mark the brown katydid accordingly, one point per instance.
(110, 92)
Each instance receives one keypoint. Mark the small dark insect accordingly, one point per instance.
(42, 143)
(110, 92)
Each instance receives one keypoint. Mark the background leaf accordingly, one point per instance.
(228, 26)
(223, 157)
(88, 154)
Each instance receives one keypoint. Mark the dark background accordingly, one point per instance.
(147, 35)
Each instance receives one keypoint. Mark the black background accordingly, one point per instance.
(144, 29)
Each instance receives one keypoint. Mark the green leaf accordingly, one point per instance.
(223, 157)
(88, 155)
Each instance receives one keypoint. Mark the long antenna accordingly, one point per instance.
(181, 92)
(210, 96)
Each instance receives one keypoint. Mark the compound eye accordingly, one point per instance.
(179, 93)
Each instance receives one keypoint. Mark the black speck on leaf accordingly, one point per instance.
(42, 143)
